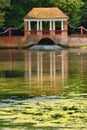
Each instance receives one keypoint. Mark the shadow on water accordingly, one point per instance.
(11, 73)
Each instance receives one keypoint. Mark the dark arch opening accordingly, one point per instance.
(46, 41)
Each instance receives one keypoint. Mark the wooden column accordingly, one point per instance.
(41, 27)
(37, 25)
(62, 26)
(29, 25)
(53, 25)
(50, 25)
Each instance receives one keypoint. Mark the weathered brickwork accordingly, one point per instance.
(77, 41)
(11, 41)
(21, 41)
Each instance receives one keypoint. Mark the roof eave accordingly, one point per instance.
(27, 17)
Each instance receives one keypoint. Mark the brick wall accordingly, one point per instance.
(11, 41)
(77, 40)
(15, 41)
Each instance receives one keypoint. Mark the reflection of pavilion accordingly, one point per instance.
(46, 71)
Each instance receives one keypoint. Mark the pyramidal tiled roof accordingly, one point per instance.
(41, 13)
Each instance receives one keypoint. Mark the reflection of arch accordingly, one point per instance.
(46, 41)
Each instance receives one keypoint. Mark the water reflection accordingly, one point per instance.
(46, 72)
(25, 74)
(33, 73)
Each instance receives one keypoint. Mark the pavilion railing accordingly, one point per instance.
(57, 31)
(9, 32)
(44, 32)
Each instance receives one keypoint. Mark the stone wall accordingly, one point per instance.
(77, 41)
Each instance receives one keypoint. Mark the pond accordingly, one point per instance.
(43, 89)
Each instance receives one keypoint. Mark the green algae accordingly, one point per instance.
(67, 113)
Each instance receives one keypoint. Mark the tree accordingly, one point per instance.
(72, 8)
(3, 5)
(19, 8)
(14, 14)
(84, 14)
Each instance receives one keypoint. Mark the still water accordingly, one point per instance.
(42, 75)
(25, 73)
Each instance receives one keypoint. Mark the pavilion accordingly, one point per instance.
(46, 22)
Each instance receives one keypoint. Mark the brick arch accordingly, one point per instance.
(46, 41)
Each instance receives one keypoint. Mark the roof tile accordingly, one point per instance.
(40, 13)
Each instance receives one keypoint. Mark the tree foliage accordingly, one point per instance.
(84, 14)
(19, 8)
(71, 7)
(3, 5)
(75, 9)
